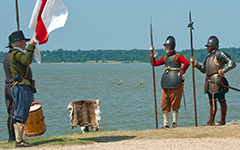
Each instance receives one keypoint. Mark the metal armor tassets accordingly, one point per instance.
(213, 85)
(211, 69)
(170, 78)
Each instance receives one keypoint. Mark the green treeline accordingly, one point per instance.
(124, 56)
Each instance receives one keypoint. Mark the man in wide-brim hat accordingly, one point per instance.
(22, 88)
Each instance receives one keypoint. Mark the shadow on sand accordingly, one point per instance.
(63, 141)
(108, 138)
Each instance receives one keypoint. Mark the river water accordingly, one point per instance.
(129, 106)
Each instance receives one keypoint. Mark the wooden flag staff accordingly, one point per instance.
(17, 16)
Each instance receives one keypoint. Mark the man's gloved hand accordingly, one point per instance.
(151, 48)
(152, 51)
(181, 74)
(17, 78)
(220, 73)
(193, 61)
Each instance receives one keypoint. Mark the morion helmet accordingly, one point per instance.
(171, 41)
(213, 42)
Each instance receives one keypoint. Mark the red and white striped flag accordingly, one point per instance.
(47, 16)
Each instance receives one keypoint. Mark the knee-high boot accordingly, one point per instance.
(223, 111)
(212, 113)
(10, 130)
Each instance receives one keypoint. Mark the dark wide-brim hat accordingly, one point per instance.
(17, 36)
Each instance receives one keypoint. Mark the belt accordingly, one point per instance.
(167, 69)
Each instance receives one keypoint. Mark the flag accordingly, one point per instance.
(47, 16)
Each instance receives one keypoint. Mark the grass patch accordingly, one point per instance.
(232, 131)
(6, 145)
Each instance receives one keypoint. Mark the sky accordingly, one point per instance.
(125, 24)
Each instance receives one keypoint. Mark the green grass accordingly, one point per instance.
(54, 140)
(231, 131)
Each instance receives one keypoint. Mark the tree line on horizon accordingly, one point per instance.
(124, 56)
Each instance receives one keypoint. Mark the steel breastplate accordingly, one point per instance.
(211, 67)
(212, 74)
(170, 77)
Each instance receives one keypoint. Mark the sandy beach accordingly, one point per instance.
(190, 138)
(151, 144)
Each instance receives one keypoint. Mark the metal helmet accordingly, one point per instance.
(171, 41)
(213, 42)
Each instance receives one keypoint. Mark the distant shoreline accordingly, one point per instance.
(93, 62)
(119, 56)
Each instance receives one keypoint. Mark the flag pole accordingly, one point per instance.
(17, 16)
(18, 28)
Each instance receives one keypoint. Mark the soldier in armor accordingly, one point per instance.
(172, 80)
(216, 64)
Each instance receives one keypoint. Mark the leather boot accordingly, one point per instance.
(223, 111)
(18, 129)
(23, 144)
(10, 130)
(212, 114)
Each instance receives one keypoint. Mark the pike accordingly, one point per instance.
(153, 71)
(190, 25)
(223, 85)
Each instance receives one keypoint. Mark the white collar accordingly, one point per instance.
(18, 48)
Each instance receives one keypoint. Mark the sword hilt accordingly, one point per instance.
(14, 85)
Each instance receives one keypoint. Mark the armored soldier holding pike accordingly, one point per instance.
(215, 65)
(172, 80)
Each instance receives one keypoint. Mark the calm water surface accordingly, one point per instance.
(129, 106)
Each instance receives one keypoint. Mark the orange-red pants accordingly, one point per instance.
(171, 98)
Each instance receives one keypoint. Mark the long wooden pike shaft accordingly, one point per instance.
(153, 71)
(154, 89)
(193, 76)
(17, 16)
